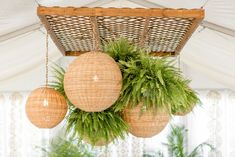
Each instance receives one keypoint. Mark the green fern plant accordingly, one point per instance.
(153, 81)
(60, 147)
(176, 144)
(122, 50)
(92, 126)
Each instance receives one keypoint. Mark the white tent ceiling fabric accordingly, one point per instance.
(213, 56)
(220, 12)
(22, 54)
(209, 52)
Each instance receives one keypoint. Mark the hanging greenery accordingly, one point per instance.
(98, 128)
(176, 144)
(60, 147)
(153, 81)
(122, 50)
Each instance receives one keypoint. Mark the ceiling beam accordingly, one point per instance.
(218, 28)
(19, 32)
(147, 4)
(98, 3)
(209, 25)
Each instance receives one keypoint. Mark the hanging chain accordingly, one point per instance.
(46, 60)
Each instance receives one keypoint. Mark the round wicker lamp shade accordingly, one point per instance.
(146, 124)
(45, 107)
(93, 82)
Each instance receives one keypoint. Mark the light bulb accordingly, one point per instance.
(45, 102)
(95, 78)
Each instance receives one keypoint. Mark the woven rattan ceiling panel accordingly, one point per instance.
(161, 31)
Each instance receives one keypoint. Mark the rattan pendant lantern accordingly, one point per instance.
(45, 107)
(146, 124)
(93, 81)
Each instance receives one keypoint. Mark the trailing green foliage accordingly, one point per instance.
(177, 147)
(121, 49)
(176, 144)
(96, 126)
(68, 148)
(153, 154)
(93, 126)
(153, 81)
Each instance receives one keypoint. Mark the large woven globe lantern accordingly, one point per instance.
(93, 82)
(145, 124)
(45, 107)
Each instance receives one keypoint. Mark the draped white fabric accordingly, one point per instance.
(212, 122)
(212, 54)
(27, 53)
(220, 12)
(18, 137)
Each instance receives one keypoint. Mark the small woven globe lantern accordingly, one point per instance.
(146, 124)
(45, 107)
(93, 82)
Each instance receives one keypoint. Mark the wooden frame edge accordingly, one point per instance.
(187, 36)
(52, 34)
(159, 54)
(151, 12)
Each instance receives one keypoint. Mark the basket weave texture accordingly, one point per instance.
(45, 107)
(145, 124)
(93, 82)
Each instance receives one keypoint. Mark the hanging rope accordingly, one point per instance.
(145, 32)
(96, 44)
(46, 60)
(202, 7)
(37, 3)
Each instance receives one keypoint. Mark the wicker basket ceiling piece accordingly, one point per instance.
(45, 107)
(93, 82)
(146, 124)
(162, 31)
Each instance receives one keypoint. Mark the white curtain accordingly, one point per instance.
(18, 137)
(212, 122)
